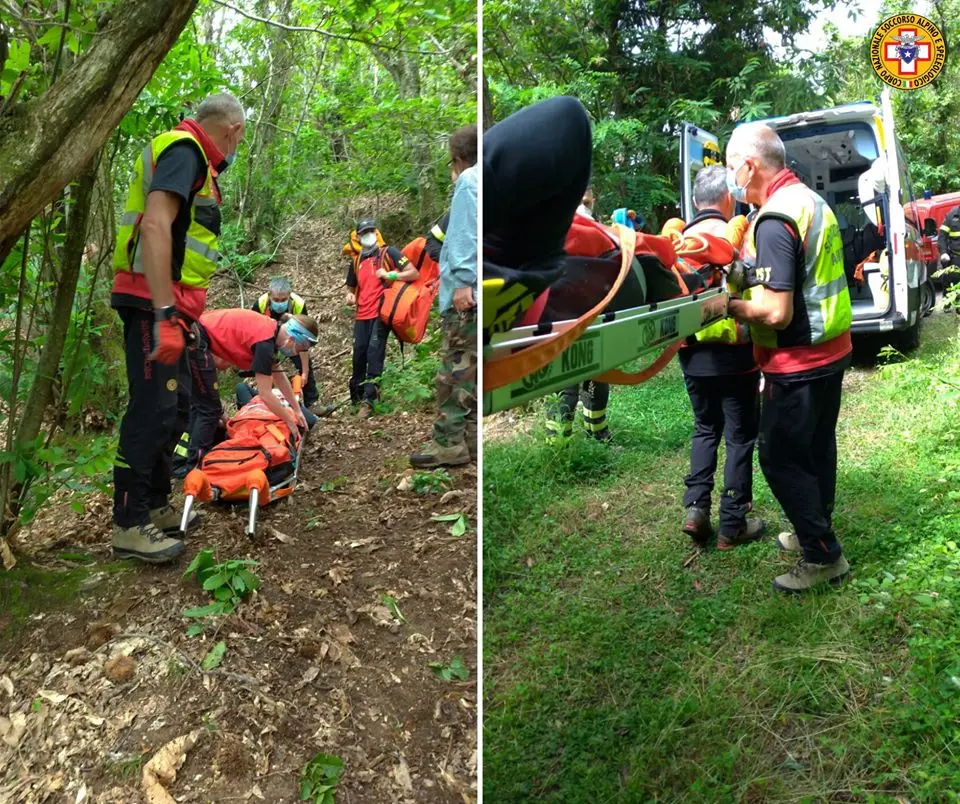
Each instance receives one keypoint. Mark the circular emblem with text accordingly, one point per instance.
(907, 51)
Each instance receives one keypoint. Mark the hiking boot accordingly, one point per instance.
(146, 543)
(434, 454)
(168, 519)
(604, 436)
(321, 411)
(789, 543)
(697, 525)
(805, 576)
(751, 531)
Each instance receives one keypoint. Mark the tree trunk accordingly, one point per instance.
(265, 215)
(47, 142)
(404, 68)
(487, 104)
(56, 334)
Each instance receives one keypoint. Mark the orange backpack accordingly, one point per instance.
(406, 305)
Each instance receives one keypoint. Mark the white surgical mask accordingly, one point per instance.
(368, 239)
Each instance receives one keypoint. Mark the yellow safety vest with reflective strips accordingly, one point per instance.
(201, 254)
(726, 330)
(296, 306)
(824, 288)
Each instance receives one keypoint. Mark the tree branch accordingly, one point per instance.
(330, 34)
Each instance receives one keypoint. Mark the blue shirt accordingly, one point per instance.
(458, 257)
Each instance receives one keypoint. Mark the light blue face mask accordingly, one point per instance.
(279, 307)
(230, 159)
(290, 350)
(737, 192)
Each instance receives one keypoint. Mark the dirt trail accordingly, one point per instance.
(314, 663)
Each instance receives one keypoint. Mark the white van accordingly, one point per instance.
(850, 156)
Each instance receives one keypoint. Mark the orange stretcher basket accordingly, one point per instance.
(256, 464)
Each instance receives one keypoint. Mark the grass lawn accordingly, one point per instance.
(614, 670)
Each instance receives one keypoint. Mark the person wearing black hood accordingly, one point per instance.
(375, 269)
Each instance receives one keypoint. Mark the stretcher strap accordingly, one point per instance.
(619, 377)
(513, 368)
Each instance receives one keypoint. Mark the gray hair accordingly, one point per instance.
(710, 187)
(759, 141)
(223, 107)
(279, 284)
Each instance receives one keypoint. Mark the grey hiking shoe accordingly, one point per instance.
(696, 525)
(751, 531)
(806, 576)
(168, 519)
(434, 454)
(146, 543)
(789, 543)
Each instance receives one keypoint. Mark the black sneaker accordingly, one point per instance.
(697, 525)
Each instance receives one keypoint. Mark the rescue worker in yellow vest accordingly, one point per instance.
(280, 302)
(948, 242)
(166, 253)
(594, 396)
(722, 381)
(797, 305)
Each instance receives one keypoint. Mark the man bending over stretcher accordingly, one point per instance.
(251, 342)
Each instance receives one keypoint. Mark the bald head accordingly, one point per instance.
(755, 155)
(759, 142)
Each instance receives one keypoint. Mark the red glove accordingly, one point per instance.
(169, 340)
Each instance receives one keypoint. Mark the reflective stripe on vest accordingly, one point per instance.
(297, 306)
(201, 253)
(437, 232)
(727, 330)
(825, 291)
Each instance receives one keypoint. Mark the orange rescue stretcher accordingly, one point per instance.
(257, 463)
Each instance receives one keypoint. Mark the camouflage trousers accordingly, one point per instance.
(457, 381)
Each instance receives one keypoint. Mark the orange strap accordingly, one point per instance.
(619, 377)
(514, 367)
(276, 433)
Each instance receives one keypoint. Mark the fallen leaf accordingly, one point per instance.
(162, 768)
(337, 575)
(455, 494)
(308, 676)
(52, 696)
(77, 656)
(401, 775)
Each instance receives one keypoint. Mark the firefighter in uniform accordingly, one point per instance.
(949, 243)
(166, 253)
(722, 380)
(593, 395)
(797, 306)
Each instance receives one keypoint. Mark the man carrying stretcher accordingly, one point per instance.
(251, 342)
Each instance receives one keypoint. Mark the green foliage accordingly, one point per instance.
(600, 635)
(410, 383)
(319, 779)
(394, 609)
(459, 526)
(214, 657)
(79, 465)
(448, 672)
(229, 582)
(433, 482)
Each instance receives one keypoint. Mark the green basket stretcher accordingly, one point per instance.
(612, 340)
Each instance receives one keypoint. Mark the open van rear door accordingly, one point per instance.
(698, 149)
(902, 274)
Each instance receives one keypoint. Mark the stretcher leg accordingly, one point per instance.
(252, 520)
(187, 505)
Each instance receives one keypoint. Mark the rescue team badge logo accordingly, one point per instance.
(171, 385)
(907, 51)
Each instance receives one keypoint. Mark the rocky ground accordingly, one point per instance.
(364, 602)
